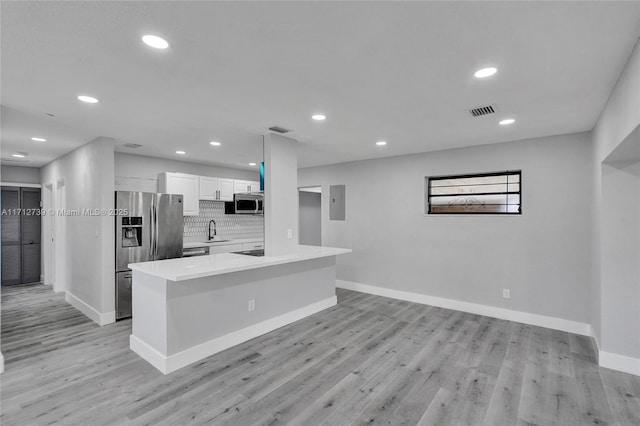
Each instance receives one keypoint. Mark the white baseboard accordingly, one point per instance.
(42, 279)
(171, 363)
(1, 363)
(473, 308)
(596, 340)
(619, 362)
(95, 316)
(108, 318)
(148, 353)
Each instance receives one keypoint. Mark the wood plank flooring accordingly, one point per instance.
(368, 360)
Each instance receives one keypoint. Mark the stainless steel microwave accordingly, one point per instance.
(249, 203)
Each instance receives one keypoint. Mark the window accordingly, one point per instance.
(486, 193)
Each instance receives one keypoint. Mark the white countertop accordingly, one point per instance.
(188, 268)
(196, 243)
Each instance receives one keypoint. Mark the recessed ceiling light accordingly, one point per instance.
(19, 155)
(88, 99)
(155, 41)
(319, 117)
(39, 139)
(215, 143)
(381, 143)
(252, 164)
(180, 152)
(485, 72)
(507, 121)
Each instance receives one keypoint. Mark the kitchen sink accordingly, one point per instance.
(215, 241)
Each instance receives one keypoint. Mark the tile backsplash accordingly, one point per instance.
(230, 226)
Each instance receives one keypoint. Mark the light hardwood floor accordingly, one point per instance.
(368, 360)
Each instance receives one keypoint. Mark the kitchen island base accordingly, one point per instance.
(176, 323)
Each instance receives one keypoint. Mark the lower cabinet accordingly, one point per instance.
(225, 249)
(253, 246)
(195, 251)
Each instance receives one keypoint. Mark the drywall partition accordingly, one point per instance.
(621, 115)
(88, 179)
(19, 174)
(280, 194)
(140, 173)
(616, 144)
(543, 256)
(620, 267)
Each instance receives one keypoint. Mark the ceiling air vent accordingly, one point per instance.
(132, 145)
(278, 129)
(483, 110)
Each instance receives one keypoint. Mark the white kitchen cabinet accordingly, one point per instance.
(208, 188)
(227, 248)
(253, 246)
(254, 186)
(240, 186)
(225, 189)
(216, 189)
(246, 186)
(186, 185)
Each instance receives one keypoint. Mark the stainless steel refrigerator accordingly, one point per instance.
(151, 228)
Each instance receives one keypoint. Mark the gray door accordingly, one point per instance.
(30, 235)
(169, 226)
(10, 236)
(140, 248)
(20, 235)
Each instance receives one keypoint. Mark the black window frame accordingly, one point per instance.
(428, 194)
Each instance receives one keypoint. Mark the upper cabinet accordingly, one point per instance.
(254, 186)
(195, 188)
(216, 189)
(187, 185)
(225, 189)
(245, 186)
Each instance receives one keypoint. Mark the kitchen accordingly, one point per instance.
(375, 118)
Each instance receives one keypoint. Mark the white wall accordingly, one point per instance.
(616, 299)
(543, 256)
(280, 194)
(140, 173)
(18, 174)
(88, 174)
(310, 218)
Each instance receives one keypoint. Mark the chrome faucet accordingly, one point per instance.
(214, 229)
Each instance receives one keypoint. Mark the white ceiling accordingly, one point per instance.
(397, 71)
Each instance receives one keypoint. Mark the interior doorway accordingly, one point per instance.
(310, 215)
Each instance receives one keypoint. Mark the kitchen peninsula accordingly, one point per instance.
(186, 309)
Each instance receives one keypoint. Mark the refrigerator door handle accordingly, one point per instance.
(151, 236)
(156, 233)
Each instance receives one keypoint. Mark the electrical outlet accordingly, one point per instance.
(506, 293)
(289, 233)
(252, 305)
